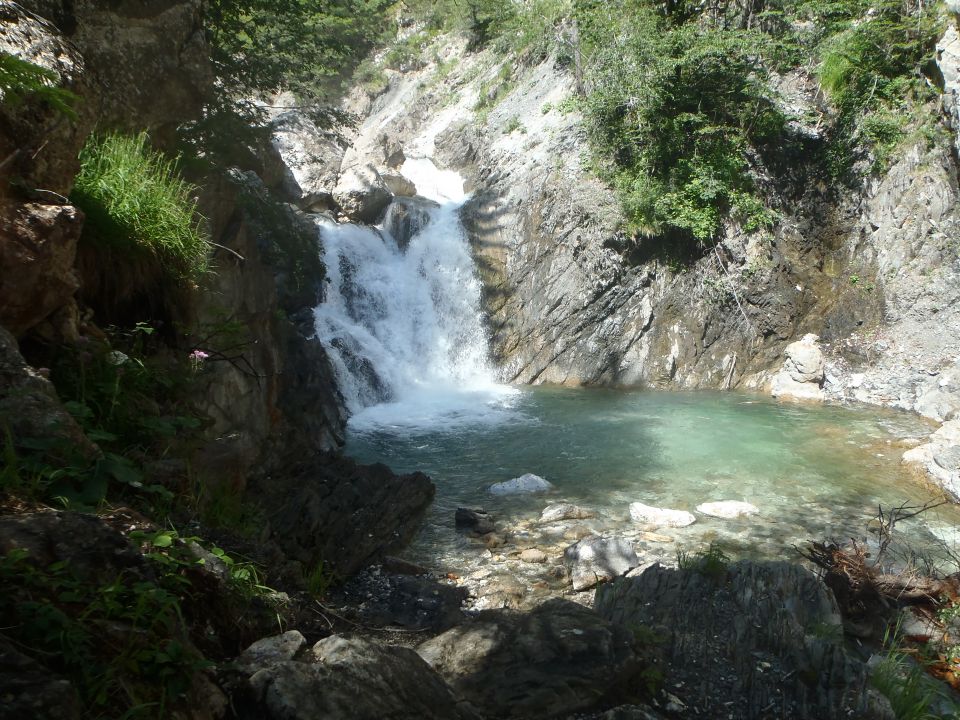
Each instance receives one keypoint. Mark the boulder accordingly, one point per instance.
(564, 511)
(353, 679)
(474, 520)
(727, 509)
(595, 559)
(267, 651)
(527, 483)
(361, 194)
(398, 184)
(311, 157)
(38, 247)
(557, 660)
(660, 517)
(406, 217)
(759, 636)
(801, 377)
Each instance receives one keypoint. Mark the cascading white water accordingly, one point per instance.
(402, 325)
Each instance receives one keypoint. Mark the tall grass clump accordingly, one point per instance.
(136, 202)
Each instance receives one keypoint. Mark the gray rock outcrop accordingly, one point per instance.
(758, 639)
(557, 660)
(352, 679)
(801, 377)
(595, 560)
(311, 157)
(361, 194)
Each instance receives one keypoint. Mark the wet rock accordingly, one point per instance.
(727, 509)
(564, 511)
(595, 559)
(30, 690)
(398, 184)
(557, 660)
(353, 679)
(361, 194)
(267, 651)
(660, 517)
(406, 217)
(532, 555)
(762, 635)
(802, 374)
(493, 540)
(474, 520)
(527, 483)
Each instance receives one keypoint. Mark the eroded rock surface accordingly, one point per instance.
(757, 639)
(557, 660)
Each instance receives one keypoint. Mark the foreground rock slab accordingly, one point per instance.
(353, 679)
(595, 559)
(760, 640)
(556, 660)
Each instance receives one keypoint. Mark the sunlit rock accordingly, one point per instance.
(660, 517)
(527, 483)
(801, 377)
(727, 509)
(595, 559)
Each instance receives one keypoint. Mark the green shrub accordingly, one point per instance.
(136, 203)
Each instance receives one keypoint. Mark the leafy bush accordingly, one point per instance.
(136, 202)
(672, 110)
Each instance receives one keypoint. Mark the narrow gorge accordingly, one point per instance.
(521, 359)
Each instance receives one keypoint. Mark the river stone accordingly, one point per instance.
(353, 679)
(473, 520)
(762, 635)
(527, 483)
(595, 559)
(564, 511)
(556, 660)
(532, 555)
(660, 517)
(270, 650)
(727, 509)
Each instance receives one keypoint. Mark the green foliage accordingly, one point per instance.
(20, 80)
(912, 692)
(121, 643)
(137, 204)
(371, 77)
(673, 109)
(264, 46)
(712, 562)
(319, 580)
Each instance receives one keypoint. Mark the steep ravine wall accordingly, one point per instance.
(572, 300)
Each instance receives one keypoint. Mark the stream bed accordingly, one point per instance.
(813, 472)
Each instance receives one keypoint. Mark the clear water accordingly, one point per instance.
(813, 472)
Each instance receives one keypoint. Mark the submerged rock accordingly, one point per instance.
(757, 637)
(660, 517)
(595, 559)
(353, 679)
(564, 511)
(561, 658)
(532, 555)
(527, 483)
(727, 509)
(474, 520)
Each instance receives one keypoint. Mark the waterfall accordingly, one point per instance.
(401, 319)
